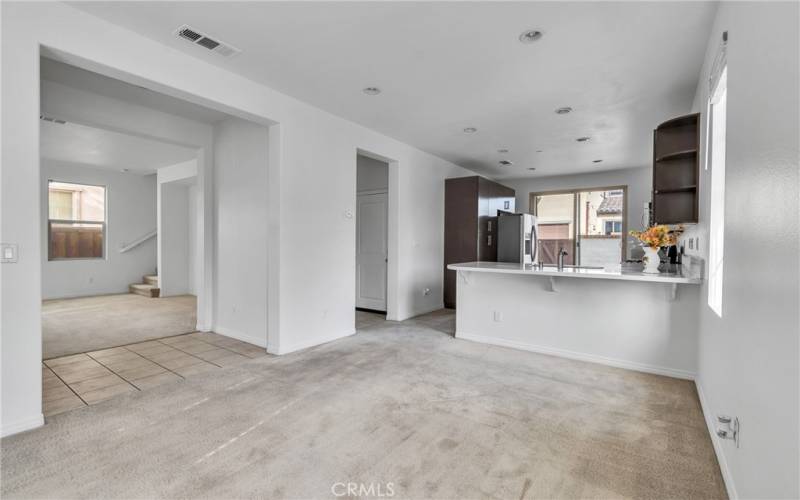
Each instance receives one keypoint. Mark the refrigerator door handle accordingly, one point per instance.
(534, 244)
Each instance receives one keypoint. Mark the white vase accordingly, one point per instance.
(651, 260)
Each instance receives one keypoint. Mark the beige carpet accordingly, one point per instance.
(71, 326)
(400, 403)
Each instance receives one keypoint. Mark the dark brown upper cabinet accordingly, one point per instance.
(676, 170)
(470, 224)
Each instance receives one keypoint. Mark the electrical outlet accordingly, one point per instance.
(728, 428)
(498, 316)
(9, 253)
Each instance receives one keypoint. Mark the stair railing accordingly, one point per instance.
(138, 241)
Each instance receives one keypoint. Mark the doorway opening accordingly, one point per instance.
(125, 225)
(372, 238)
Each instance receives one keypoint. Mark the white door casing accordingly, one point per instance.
(371, 250)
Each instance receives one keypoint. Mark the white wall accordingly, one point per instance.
(130, 212)
(193, 209)
(177, 241)
(371, 174)
(638, 180)
(748, 359)
(630, 324)
(241, 156)
(173, 236)
(312, 181)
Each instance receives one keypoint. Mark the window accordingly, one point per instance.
(717, 111)
(76, 223)
(613, 227)
(587, 223)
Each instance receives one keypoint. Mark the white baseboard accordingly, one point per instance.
(712, 431)
(414, 314)
(313, 342)
(580, 356)
(22, 425)
(244, 337)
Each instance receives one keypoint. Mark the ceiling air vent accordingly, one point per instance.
(213, 44)
(189, 34)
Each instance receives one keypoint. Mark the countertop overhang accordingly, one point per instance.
(552, 272)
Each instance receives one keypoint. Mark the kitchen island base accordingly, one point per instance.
(633, 324)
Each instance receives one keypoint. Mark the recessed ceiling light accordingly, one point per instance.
(597, 161)
(563, 110)
(505, 163)
(470, 130)
(582, 139)
(531, 168)
(371, 90)
(502, 151)
(530, 36)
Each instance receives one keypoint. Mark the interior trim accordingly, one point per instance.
(727, 477)
(22, 425)
(580, 356)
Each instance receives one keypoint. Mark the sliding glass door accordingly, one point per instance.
(555, 214)
(589, 224)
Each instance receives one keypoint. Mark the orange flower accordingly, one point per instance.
(658, 236)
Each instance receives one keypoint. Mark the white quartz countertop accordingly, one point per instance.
(511, 268)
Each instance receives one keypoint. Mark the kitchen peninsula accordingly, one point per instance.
(623, 318)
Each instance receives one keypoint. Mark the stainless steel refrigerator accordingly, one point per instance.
(517, 238)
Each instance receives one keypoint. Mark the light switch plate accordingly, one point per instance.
(8, 253)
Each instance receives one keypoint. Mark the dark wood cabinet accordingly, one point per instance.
(470, 224)
(676, 170)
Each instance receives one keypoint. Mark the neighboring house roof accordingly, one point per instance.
(610, 205)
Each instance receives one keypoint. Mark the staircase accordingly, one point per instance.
(149, 288)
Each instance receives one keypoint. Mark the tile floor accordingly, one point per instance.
(70, 382)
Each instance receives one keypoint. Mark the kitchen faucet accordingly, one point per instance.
(561, 254)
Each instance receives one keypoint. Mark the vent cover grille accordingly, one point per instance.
(197, 37)
(189, 34)
(208, 43)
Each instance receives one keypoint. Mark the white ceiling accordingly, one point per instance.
(89, 81)
(76, 143)
(623, 66)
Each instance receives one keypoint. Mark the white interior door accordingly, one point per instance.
(371, 251)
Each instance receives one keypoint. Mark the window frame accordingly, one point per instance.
(716, 208)
(576, 200)
(613, 231)
(104, 223)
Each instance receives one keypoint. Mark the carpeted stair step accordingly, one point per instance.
(144, 289)
(151, 280)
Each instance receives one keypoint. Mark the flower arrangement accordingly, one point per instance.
(659, 236)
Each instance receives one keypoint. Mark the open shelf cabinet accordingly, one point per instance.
(676, 170)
